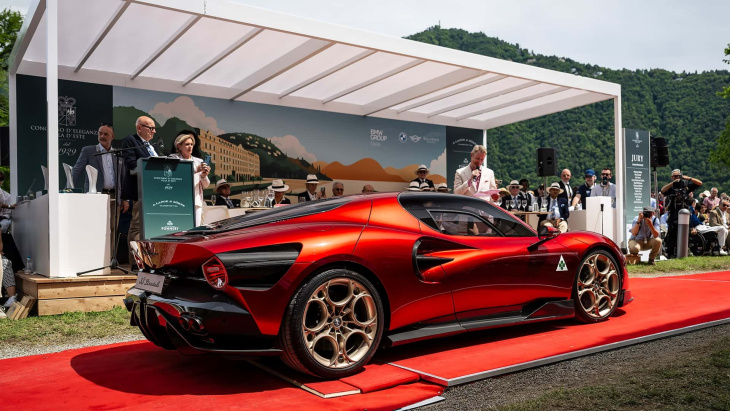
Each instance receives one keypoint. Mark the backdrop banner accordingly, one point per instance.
(82, 108)
(459, 143)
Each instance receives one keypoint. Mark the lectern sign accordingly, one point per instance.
(166, 192)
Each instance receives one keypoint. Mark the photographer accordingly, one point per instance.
(677, 198)
(645, 234)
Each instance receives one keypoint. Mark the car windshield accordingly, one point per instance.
(271, 216)
(462, 215)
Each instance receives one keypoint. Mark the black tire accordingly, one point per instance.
(597, 287)
(340, 308)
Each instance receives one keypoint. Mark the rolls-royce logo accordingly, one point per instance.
(66, 111)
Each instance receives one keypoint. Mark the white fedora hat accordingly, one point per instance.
(312, 178)
(278, 185)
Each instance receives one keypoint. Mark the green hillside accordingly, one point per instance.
(682, 107)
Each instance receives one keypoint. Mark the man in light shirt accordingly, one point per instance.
(474, 179)
(712, 200)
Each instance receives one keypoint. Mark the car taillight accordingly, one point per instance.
(135, 252)
(215, 273)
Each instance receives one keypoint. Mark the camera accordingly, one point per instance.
(647, 214)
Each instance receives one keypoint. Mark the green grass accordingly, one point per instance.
(68, 328)
(688, 264)
(698, 380)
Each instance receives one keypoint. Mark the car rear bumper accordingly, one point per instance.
(197, 321)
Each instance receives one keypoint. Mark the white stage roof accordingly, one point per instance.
(232, 51)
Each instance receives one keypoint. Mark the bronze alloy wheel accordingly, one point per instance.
(339, 323)
(597, 287)
(333, 325)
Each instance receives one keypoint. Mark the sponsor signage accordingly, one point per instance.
(166, 190)
(636, 169)
(459, 143)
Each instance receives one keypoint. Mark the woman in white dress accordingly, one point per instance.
(184, 144)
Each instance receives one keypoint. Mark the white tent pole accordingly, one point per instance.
(54, 215)
(484, 143)
(620, 174)
(13, 136)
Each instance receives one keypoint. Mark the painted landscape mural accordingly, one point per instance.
(252, 144)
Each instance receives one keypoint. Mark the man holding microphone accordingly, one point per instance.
(474, 179)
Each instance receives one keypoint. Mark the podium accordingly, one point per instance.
(593, 219)
(165, 192)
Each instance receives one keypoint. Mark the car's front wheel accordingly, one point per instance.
(333, 325)
(597, 287)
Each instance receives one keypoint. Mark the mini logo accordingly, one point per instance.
(403, 137)
(561, 265)
(415, 138)
(637, 140)
(168, 171)
(66, 111)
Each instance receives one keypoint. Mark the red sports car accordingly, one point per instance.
(323, 284)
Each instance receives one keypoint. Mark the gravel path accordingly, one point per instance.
(18, 350)
(584, 371)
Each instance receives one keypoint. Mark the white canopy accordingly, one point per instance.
(228, 50)
(232, 51)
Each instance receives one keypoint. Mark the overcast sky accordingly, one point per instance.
(634, 34)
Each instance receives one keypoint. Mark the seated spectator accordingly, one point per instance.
(539, 194)
(701, 211)
(7, 204)
(697, 226)
(367, 188)
(414, 186)
(525, 190)
(8, 281)
(513, 201)
(338, 189)
(422, 173)
(279, 188)
(442, 188)
(719, 217)
(645, 234)
(558, 210)
(711, 199)
(224, 195)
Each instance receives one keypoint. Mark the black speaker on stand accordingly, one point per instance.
(547, 162)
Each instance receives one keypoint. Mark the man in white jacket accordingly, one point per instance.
(475, 179)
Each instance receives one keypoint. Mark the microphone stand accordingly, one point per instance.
(119, 157)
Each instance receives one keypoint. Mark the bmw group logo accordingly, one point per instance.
(403, 137)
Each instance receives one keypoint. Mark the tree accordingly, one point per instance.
(10, 23)
(721, 155)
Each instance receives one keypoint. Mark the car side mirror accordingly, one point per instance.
(547, 232)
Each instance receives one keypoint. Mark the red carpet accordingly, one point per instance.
(660, 305)
(140, 375)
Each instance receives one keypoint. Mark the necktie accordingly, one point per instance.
(229, 203)
(151, 150)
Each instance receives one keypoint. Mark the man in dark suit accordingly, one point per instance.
(105, 164)
(422, 173)
(558, 209)
(311, 193)
(224, 195)
(136, 146)
(564, 183)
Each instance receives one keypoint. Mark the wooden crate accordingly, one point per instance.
(87, 293)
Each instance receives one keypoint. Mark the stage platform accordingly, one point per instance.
(138, 374)
(84, 293)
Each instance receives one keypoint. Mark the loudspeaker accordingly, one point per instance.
(659, 152)
(547, 162)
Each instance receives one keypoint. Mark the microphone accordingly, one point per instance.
(160, 143)
(476, 177)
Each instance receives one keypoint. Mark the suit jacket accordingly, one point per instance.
(716, 217)
(305, 197)
(137, 150)
(429, 182)
(219, 200)
(564, 194)
(463, 176)
(563, 207)
(87, 158)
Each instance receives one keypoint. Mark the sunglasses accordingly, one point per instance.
(676, 177)
(338, 189)
(589, 176)
(606, 174)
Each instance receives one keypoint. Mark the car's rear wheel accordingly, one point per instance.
(597, 287)
(333, 325)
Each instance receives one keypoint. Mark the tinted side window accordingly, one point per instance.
(462, 224)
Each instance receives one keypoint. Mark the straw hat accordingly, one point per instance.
(422, 167)
(424, 187)
(220, 183)
(556, 186)
(442, 188)
(414, 186)
(278, 185)
(312, 179)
